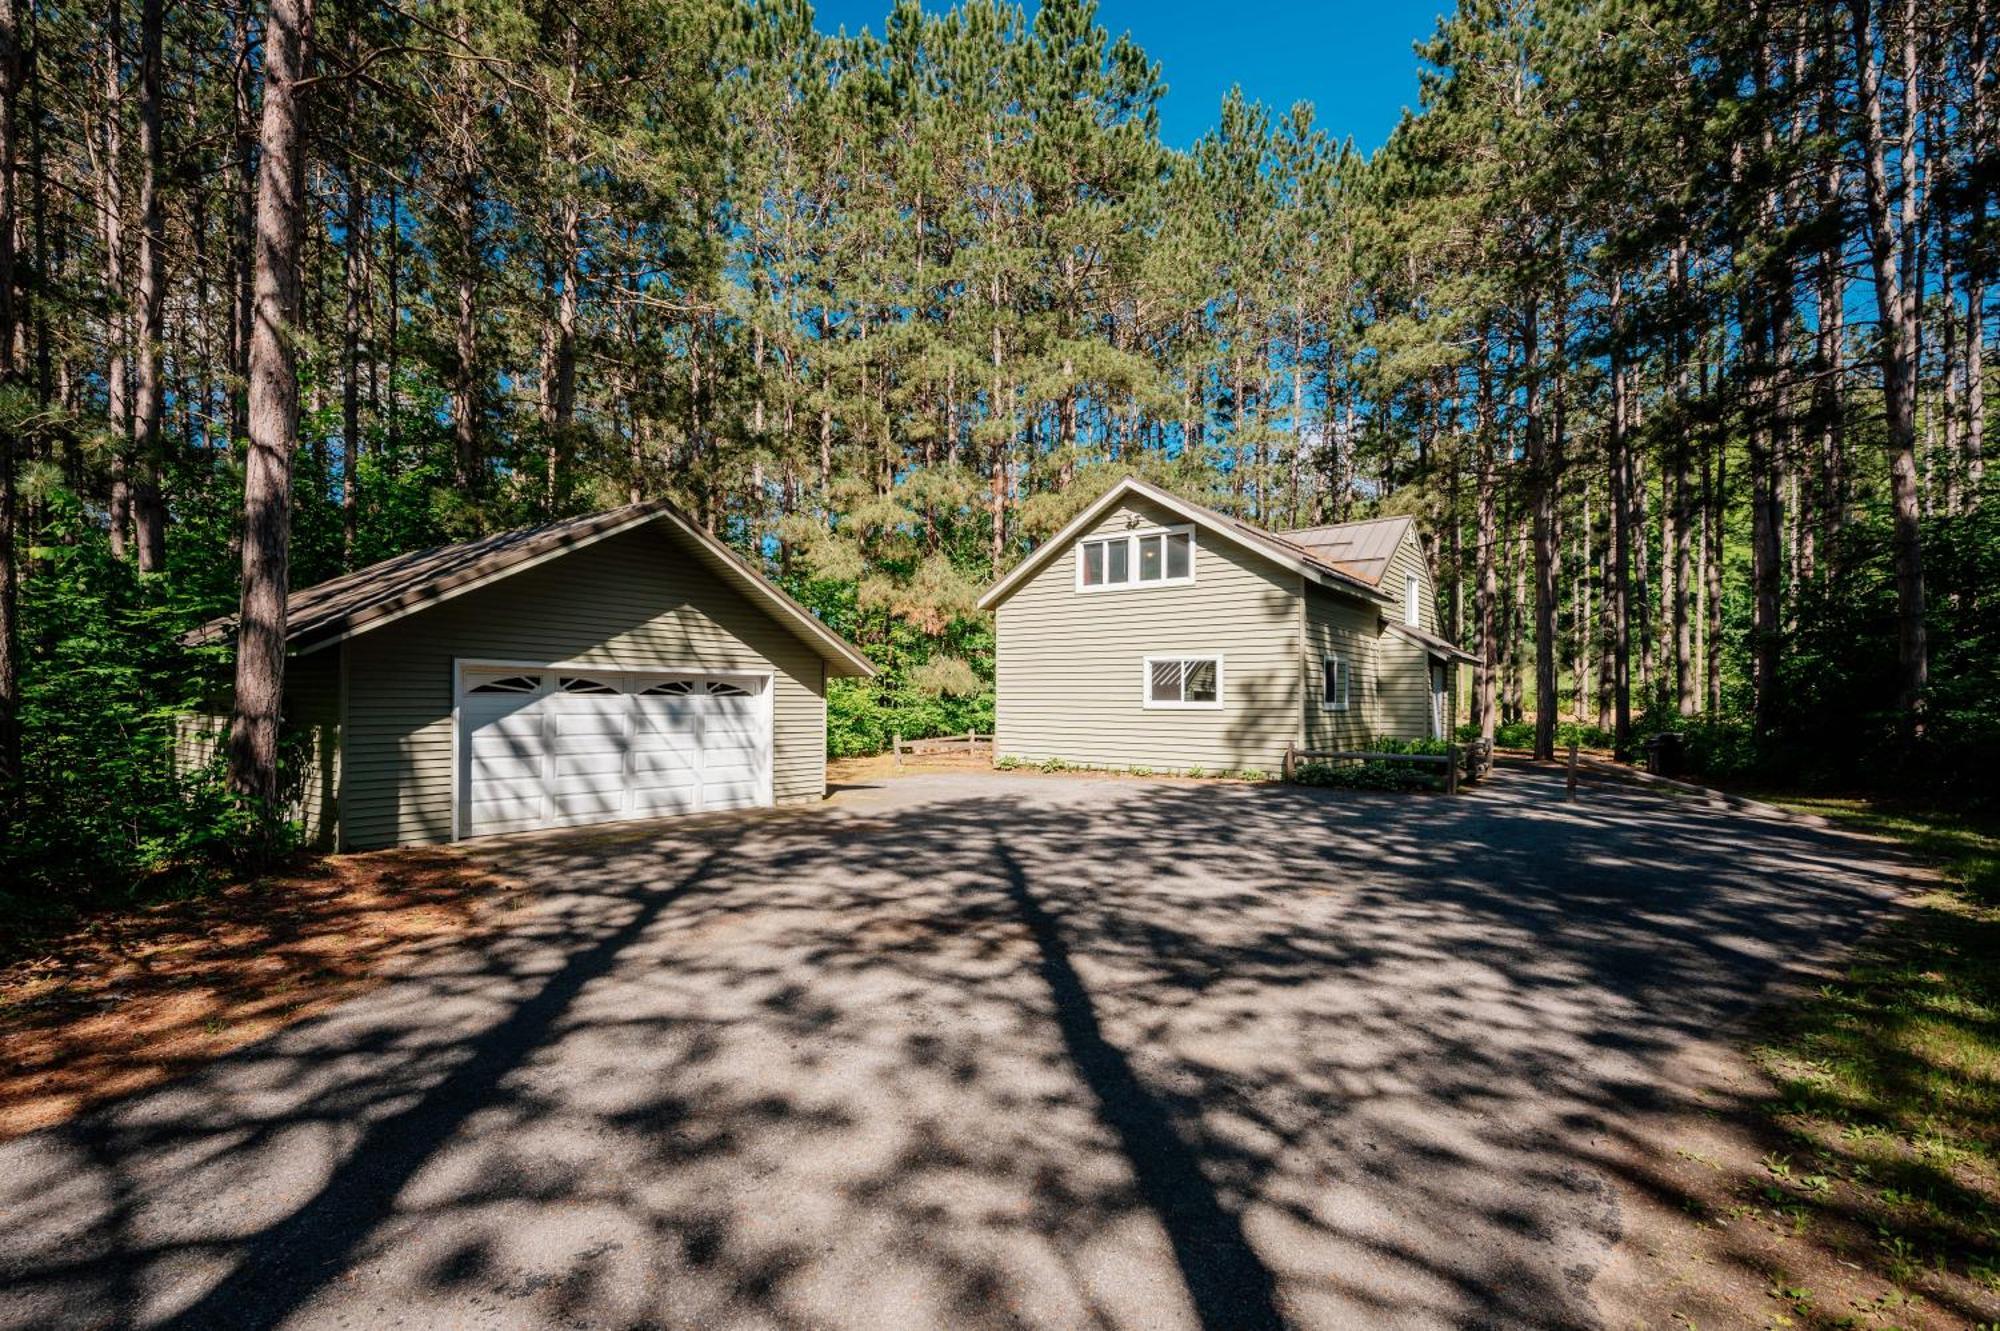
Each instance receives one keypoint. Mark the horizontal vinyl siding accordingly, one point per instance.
(312, 705)
(633, 601)
(312, 715)
(1069, 664)
(1403, 707)
(1338, 624)
(1408, 559)
(1405, 688)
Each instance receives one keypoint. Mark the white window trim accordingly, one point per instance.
(1343, 667)
(1146, 684)
(1413, 590)
(1131, 538)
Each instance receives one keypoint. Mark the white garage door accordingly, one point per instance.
(559, 747)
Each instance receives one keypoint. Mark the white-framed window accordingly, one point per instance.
(1411, 591)
(1147, 557)
(1336, 683)
(1193, 680)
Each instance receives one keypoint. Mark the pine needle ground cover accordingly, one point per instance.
(130, 997)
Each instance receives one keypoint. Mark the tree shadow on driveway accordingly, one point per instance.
(969, 1051)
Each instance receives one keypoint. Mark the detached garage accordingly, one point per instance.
(622, 665)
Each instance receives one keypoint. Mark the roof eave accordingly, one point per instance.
(834, 649)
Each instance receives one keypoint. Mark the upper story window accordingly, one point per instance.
(1411, 591)
(1146, 558)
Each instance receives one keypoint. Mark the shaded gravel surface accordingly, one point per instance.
(969, 1051)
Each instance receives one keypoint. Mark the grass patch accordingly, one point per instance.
(1890, 1075)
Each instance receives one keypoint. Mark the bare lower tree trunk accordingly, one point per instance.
(1714, 485)
(117, 321)
(1681, 504)
(1544, 458)
(1975, 282)
(241, 241)
(352, 311)
(1487, 597)
(274, 409)
(997, 496)
(1580, 631)
(1619, 471)
(1889, 258)
(11, 72)
(149, 510)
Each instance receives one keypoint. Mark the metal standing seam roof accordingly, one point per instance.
(370, 597)
(1360, 549)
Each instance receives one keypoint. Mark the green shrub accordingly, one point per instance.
(1390, 744)
(1006, 762)
(1053, 764)
(1365, 776)
(102, 678)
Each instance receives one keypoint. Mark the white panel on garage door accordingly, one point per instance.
(548, 748)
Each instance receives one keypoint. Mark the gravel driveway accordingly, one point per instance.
(969, 1051)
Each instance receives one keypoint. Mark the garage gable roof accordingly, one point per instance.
(368, 598)
(1248, 535)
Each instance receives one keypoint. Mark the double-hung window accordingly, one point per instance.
(1183, 681)
(1135, 559)
(1411, 591)
(1335, 683)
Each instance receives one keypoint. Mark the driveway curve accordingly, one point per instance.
(970, 1051)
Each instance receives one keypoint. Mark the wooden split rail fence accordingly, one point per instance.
(971, 743)
(1465, 763)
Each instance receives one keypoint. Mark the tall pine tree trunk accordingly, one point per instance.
(1487, 596)
(149, 510)
(117, 320)
(1890, 260)
(11, 73)
(1619, 472)
(274, 408)
(353, 309)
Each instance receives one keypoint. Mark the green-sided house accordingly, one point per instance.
(622, 665)
(1153, 632)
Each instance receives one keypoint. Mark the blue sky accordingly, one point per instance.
(1351, 61)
